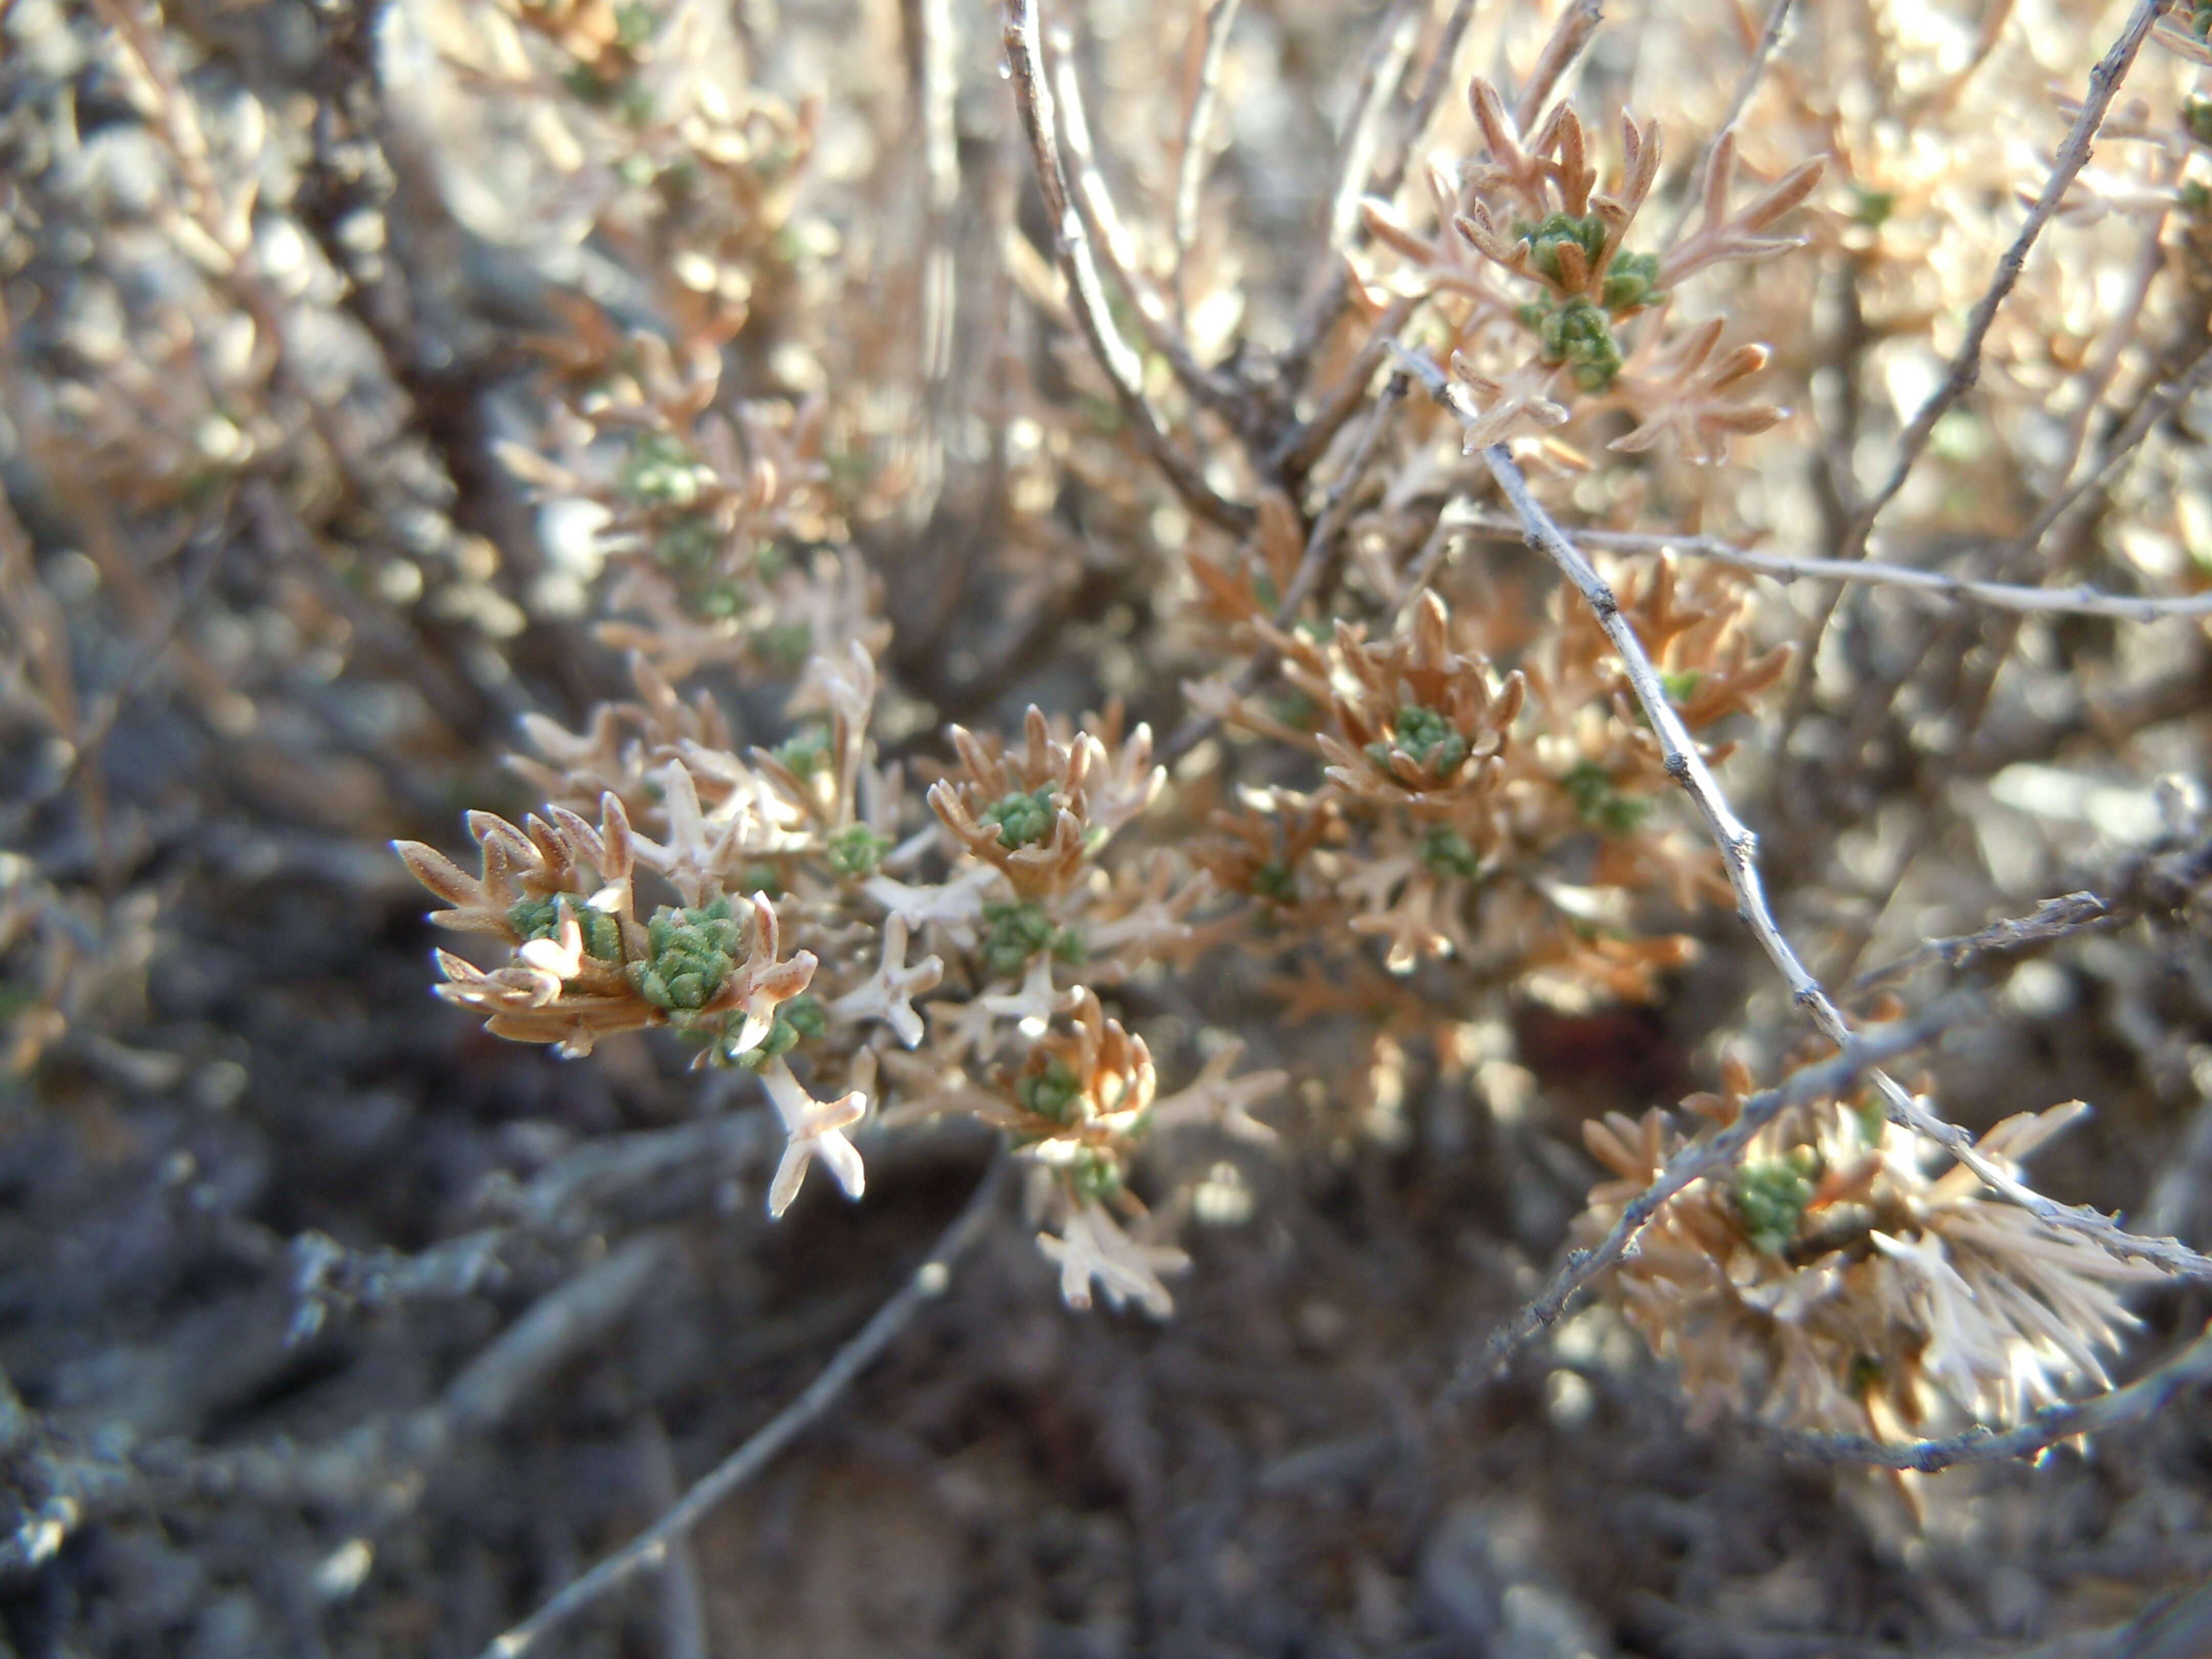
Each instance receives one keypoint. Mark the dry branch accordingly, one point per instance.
(1738, 849)
(1214, 26)
(1315, 563)
(2189, 1369)
(1965, 368)
(1709, 1155)
(2083, 600)
(649, 1548)
(1078, 263)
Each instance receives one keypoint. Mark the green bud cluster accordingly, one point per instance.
(1018, 931)
(1433, 742)
(689, 957)
(1587, 233)
(1446, 852)
(2196, 116)
(1051, 1092)
(714, 601)
(857, 850)
(635, 25)
(799, 1020)
(1023, 819)
(1096, 1174)
(1276, 880)
(761, 878)
(1872, 207)
(661, 469)
(1872, 1120)
(1631, 281)
(1576, 333)
(689, 545)
(2200, 21)
(1602, 807)
(783, 646)
(1680, 683)
(805, 752)
(539, 917)
(1771, 1198)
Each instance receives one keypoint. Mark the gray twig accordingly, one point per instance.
(1033, 95)
(1967, 362)
(2083, 600)
(1190, 166)
(650, 1548)
(1701, 1157)
(1739, 850)
(383, 1459)
(1314, 565)
(682, 1606)
(2053, 919)
(2191, 1368)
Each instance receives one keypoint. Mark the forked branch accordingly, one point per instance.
(1739, 850)
(1707, 1156)
(2144, 1397)
(1033, 95)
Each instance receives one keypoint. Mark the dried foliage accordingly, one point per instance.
(959, 572)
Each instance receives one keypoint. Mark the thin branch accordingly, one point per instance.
(1455, 517)
(1326, 302)
(1301, 446)
(1378, 82)
(1747, 86)
(2053, 920)
(1190, 166)
(2147, 415)
(649, 1549)
(2095, 379)
(1739, 850)
(2083, 600)
(1124, 371)
(1436, 80)
(1569, 36)
(1316, 560)
(1706, 1156)
(1967, 362)
(378, 1459)
(1102, 222)
(683, 1603)
(150, 653)
(2144, 1397)
(937, 85)
(1314, 565)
